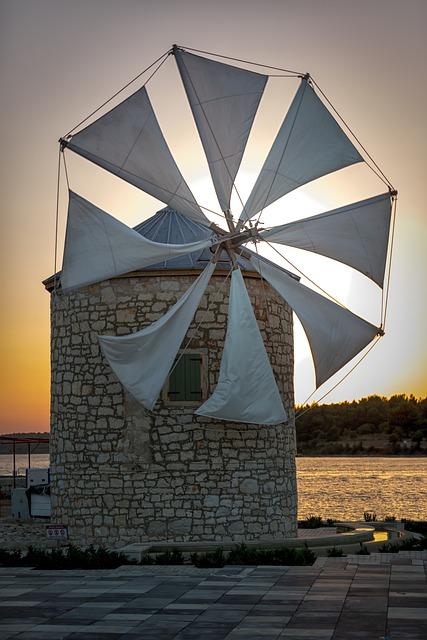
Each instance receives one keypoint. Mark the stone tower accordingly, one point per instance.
(123, 474)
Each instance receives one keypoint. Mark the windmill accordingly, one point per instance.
(224, 98)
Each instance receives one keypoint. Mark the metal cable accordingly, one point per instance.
(384, 177)
(331, 297)
(56, 224)
(215, 139)
(299, 414)
(164, 55)
(255, 64)
(384, 301)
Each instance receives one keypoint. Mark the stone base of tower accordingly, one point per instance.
(121, 474)
(222, 491)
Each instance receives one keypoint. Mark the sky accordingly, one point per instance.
(61, 59)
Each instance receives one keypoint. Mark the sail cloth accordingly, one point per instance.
(224, 100)
(142, 360)
(128, 142)
(98, 246)
(335, 334)
(310, 144)
(246, 389)
(356, 234)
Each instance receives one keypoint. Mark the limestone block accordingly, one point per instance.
(181, 526)
(250, 485)
(211, 501)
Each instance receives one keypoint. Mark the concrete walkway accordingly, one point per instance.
(363, 597)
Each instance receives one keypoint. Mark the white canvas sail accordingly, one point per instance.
(128, 142)
(356, 234)
(335, 334)
(246, 389)
(142, 360)
(98, 246)
(310, 144)
(224, 100)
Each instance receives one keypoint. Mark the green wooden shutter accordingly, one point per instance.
(177, 382)
(193, 380)
(185, 379)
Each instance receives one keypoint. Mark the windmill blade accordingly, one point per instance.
(356, 235)
(128, 142)
(246, 389)
(142, 360)
(335, 334)
(310, 144)
(224, 100)
(98, 246)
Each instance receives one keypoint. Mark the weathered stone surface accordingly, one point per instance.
(249, 485)
(123, 474)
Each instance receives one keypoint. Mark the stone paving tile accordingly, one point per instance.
(336, 599)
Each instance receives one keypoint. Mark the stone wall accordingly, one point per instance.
(123, 474)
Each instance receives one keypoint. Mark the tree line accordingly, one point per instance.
(371, 425)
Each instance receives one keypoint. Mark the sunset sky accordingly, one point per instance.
(61, 59)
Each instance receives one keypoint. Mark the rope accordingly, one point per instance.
(215, 139)
(384, 300)
(331, 297)
(282, 155)
(382, 177)
(301, 413)
(56, 224)
(164, 55)
(255, 64)
(142, 128)
(182, 352)
(66, 171)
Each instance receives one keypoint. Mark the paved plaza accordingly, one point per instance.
(364, 597)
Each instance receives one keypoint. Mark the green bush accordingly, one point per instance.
(311, 522)
(281, 555)
(416, 526)
(70, 557)
(411, 544)
(11, 558)
(209, 560)
(335, 552)
(168, 557)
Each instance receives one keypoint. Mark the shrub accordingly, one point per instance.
(389, 518)
(208, 560)
(11, 558)
(335, 552)
(169, 557)
(417, 526)
(363, 551)
(70, 557)
(411, 544)
(311, 522)
(281, 555)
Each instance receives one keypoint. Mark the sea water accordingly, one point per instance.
(336, 487)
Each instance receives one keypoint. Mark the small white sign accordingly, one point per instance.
(57, 531)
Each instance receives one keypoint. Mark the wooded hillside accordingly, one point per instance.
(373, 425)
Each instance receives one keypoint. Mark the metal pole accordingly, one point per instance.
(29, 454)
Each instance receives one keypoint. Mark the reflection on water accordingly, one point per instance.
(336, 487)
(346, 487)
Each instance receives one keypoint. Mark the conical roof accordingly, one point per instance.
(171, 227)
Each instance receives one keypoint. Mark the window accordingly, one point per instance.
(186, 382)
